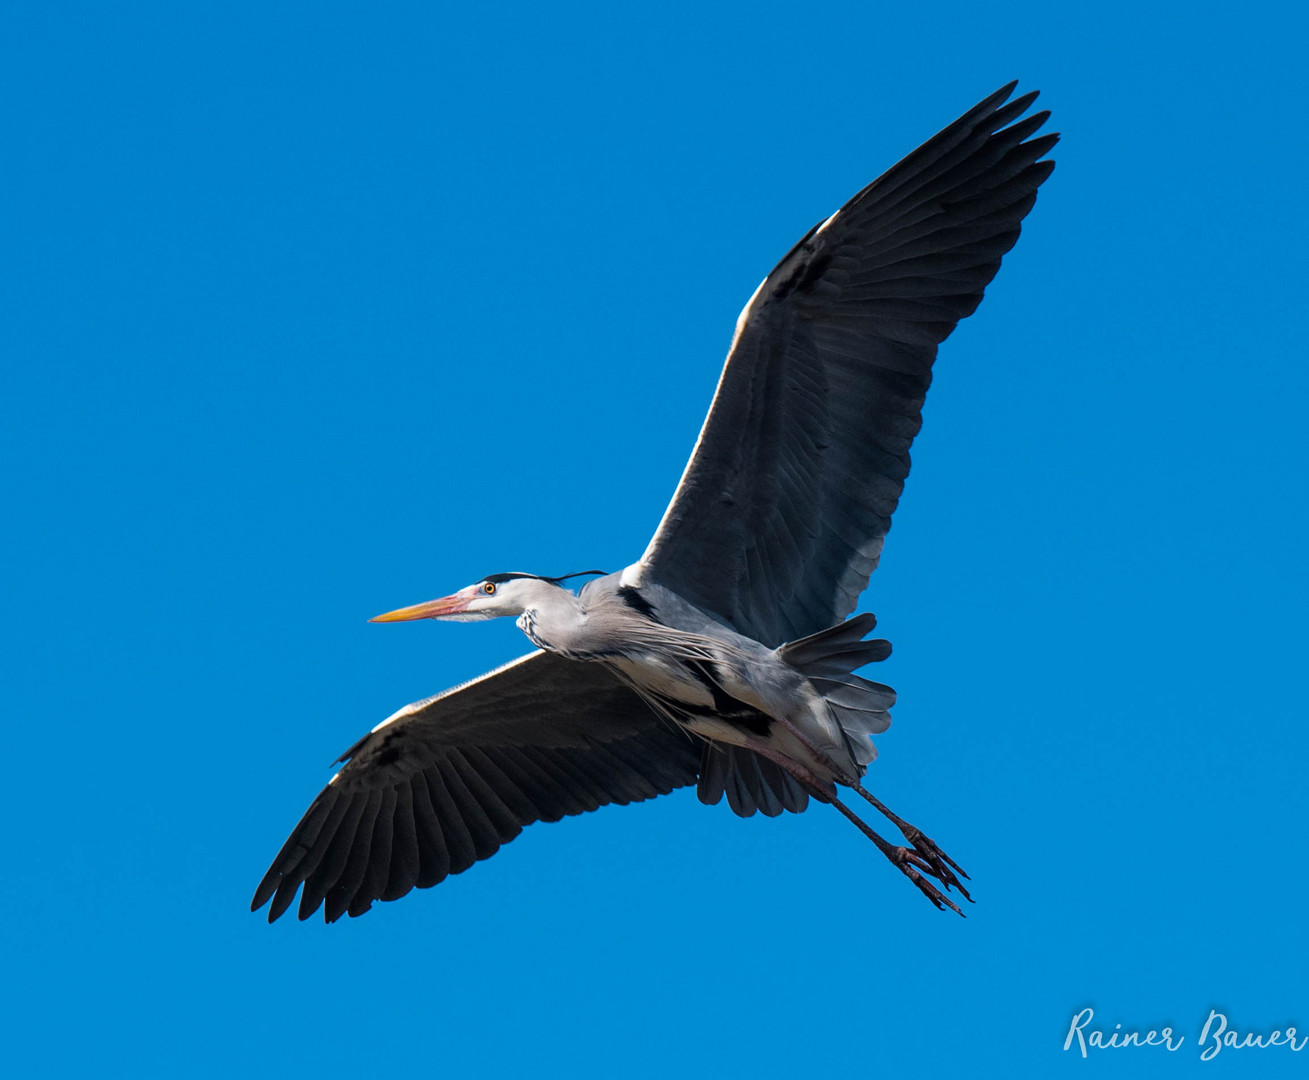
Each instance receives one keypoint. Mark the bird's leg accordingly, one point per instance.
(922, 843)
(908, 862)
(938, 862)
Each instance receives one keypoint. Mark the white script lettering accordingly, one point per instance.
(1116, 1039)
(1233, 1040)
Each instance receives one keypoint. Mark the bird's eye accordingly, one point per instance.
(489, 588)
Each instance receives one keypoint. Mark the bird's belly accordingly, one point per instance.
(668, 680)
(718, 730)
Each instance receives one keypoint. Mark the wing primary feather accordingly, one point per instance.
(334, 858)
(458, 841)
(536, 763)
(655, 769)
(936, 156)
(403, 872)
(520, 804)
(307, 865)
(286, 890)
(501, 818)
(434, 858)
(620, 776)
(339, 895)
(552, 802)
(379, 857)
(574, 779)
(297, 846)
(474, 816)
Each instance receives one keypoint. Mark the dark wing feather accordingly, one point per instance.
(444, 782)
(780, 516)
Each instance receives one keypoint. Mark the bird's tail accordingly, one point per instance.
(861, 708)
(828, 659)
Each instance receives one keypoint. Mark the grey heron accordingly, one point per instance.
(726, 655)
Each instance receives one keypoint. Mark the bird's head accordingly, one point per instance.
(491, 597)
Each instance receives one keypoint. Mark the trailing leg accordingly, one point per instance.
(937, 860)
(908, 862)
(923, 844)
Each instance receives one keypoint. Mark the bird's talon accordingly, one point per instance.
(931, 851)
(931, 891)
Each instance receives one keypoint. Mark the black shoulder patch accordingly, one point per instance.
(815, 270)
(632, 597)
(800, 267)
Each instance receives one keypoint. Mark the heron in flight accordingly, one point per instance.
(725, 656)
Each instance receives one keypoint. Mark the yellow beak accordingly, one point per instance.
(433, 609)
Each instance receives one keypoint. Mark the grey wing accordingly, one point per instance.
(444, 782)
(780, 516)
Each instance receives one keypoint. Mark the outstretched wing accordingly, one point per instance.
(780, 516)
(446, 781)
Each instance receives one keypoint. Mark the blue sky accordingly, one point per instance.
(312, 311)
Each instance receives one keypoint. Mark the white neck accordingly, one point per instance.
(552, 618)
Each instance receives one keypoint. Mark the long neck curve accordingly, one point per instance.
(553, 618)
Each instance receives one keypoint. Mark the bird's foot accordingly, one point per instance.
(915, 865)
(910, 862)
(923, 858)
(939, 864)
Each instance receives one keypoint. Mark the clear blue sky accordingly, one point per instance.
(313, 311)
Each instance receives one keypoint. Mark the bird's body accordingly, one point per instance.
(725, 656)
(699, 673)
